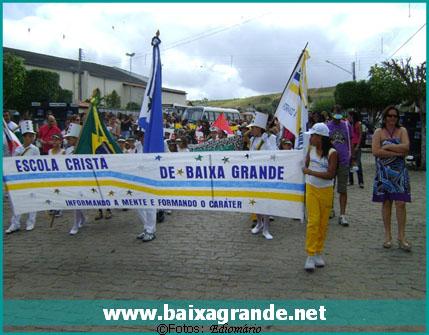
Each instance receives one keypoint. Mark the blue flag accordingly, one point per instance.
(150, 118)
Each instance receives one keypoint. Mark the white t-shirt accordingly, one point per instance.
(269, 142)
(31, 150)
(69, 150)
(319, 164)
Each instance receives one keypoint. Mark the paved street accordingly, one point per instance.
(213, 255)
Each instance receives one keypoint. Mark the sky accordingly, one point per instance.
(222, 50)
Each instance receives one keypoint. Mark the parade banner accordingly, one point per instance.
(223, 144)
(267, 182)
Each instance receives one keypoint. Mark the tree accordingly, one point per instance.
(353, 94)
(386, 87)
(414, 79)
(64, 95)
(133, 106)
(324, 104)
(14, 74)
(113, 100)
(39, 85)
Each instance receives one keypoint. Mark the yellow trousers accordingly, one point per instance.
(319, 206)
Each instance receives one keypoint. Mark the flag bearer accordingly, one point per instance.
(261, 140)
(27, 149)
(71, 137)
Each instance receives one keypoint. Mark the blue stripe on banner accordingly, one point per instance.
(296, 76)
(161, 183)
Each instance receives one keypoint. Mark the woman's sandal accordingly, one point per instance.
(388, 244)
(404, 245)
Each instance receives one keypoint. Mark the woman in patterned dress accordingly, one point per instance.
(390, 145)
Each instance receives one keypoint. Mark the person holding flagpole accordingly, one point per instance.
(151, 120)
(261, 140)
(27, 149)
(72, 136)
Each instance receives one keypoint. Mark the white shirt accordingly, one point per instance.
(30, 150)
(139, 147)
(269, 142)
(319, 164)
(69, 150)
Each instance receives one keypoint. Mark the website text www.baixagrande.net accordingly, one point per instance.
(219, 317)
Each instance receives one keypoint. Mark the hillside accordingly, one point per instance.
(264, 102)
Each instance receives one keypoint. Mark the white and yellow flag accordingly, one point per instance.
(292, 109)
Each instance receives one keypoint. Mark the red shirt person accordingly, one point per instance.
(46, 132)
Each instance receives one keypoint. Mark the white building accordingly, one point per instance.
(129, 87)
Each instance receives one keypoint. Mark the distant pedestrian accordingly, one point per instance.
(320, 168)
(390, 145)
(353, 118)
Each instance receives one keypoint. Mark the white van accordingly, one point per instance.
(193, 114)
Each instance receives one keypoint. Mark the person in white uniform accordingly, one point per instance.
(71, 137)
(27, 149)
(261, 140)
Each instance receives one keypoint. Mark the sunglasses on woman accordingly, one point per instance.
(392, 115)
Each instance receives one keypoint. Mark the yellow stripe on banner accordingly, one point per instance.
(294, 88)
(181, 192)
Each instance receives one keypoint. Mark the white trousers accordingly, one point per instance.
(148, 219)
(79, 217)
(31, 219)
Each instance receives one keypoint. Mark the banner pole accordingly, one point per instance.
(293, 71)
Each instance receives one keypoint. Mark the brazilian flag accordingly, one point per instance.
(94, 137)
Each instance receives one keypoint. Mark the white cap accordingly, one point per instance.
(27, 127)
(319, 129)
(260, 120)
(73, 130)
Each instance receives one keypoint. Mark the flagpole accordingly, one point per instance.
(294, 69)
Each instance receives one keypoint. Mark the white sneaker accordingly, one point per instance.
(30, 227)
(310, 264)
(13, 227)
(318, 260)
(257, 228)
(267, 235)
(342, 220)
(74, 230)
(80, 225)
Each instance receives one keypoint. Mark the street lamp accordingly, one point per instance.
(353, 73)
(131, 55)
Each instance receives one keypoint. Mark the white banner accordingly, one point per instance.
(266, 182)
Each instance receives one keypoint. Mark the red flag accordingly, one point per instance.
(221, 124)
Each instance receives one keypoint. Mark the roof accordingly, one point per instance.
(70, 65)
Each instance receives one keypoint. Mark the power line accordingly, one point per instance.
(407, 41)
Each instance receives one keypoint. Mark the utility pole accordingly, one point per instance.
(131, 55)
(354, 71)
(79, 75)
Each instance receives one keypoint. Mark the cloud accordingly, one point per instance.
(221, 50)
